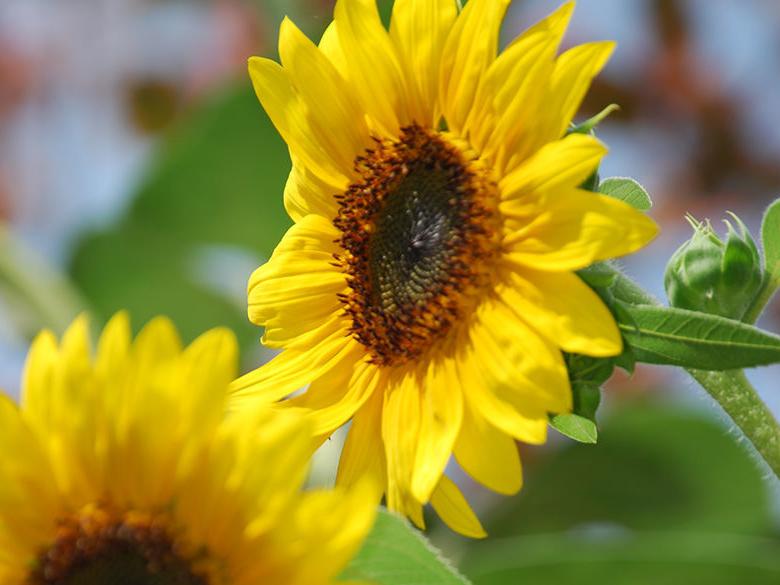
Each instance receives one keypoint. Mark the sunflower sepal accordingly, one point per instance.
(715, 276)
(589, 126)
(586, 375)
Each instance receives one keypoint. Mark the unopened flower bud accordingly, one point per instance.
(709, 275)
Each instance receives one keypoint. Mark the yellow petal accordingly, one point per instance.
(292, 370)
(520, 366)
(363, 456)
(571, 79)
(470, 49)
(452, 507)
(576, 228)
(419, 29)
(488, 455)
(527, 424)
(297, 289)
(334, 115)
(400, 432)
(563, 164)
(509, 101)
(305, 193)
(335, 397)
(331, 48)
(565, 310)
(440, 420)
(374, 71)
(281, 101)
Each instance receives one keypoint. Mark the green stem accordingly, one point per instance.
(736, 395)
(731, 389)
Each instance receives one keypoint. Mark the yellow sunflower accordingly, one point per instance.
(121, 469)
(426, 289)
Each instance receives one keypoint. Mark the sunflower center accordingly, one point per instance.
(100, 547)
(418, 232)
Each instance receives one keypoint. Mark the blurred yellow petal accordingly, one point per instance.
(135, 442)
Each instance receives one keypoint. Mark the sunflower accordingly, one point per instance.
(121, 469)
(426, 289)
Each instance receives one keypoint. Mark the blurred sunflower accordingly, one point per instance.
(121, 469)
(427, 288)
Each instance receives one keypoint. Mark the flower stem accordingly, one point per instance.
(736, 395)
(730, 389)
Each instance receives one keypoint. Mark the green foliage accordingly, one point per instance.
(35, 295)
(770, 236)
(666, 497)
(217, 182)
(575, 427)
(397, 554)
(627, 190)
(628, 559)
(678, 337)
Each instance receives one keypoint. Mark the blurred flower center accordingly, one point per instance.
(101, 547)
(418, 234)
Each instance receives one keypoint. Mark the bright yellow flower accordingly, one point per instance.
(426, 289)
(121, 469)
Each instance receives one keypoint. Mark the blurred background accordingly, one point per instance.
(138, 171)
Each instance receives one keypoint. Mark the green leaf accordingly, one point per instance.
(658, 466)
(583, 368)
(770, 236)
(396, 554)
(576, 427)
(628, 190)
(678, 337)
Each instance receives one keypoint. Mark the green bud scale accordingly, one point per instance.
(709, 275)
